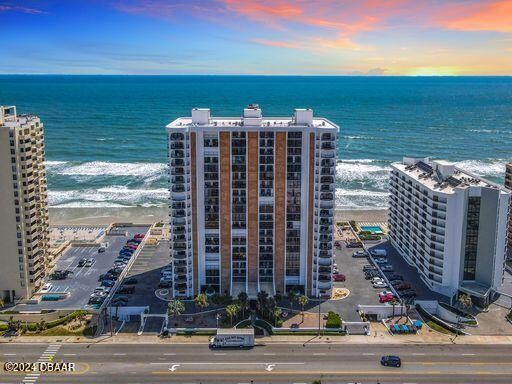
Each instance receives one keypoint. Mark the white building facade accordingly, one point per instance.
(252, 203)
(450, 225)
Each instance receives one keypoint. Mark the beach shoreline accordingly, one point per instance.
(149, 215)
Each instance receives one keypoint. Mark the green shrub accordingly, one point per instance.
(3, 327)
(333, 320)
(279, 323)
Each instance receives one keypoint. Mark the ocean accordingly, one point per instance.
(106, 141)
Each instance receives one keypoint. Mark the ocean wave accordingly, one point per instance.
(99, 168)
(484, 168)
(109, 195)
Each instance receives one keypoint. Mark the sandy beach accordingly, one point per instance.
(148, 215)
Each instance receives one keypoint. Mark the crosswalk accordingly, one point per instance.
(47, 356)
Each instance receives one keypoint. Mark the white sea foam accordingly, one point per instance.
(107, 196)
(489, 168)
(97, 168)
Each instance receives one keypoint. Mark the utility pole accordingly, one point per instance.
(319, 304)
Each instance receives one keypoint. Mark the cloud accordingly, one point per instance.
(275, 43)
(17, 8)
(370, 72)
(487, 16)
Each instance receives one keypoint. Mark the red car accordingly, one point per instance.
(338, 277)
(139, 236)
(385, 299)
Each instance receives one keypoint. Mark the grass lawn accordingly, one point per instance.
(438, 328)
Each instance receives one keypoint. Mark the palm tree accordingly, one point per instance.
(277, 314)
(242, 300)
(291, 297)
(201, 301)
(466, 301)
(303, 300)
(231, 311)
(175, 308)
(262, 300)
(2, 303)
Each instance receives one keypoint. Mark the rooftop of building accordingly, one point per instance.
(252, 117)
(441, 175)
(9, 118)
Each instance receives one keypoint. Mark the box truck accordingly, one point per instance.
(233, 338)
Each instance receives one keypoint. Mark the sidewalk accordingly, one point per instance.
(375, 338)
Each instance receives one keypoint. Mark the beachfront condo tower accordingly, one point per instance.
(252, 203)
(451, 225)
(508, 185)
(24, 233)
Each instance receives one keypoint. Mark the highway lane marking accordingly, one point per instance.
(456, 363)
(468, 354)
(323, 372)
(69, 354)
(418, 354)
(9, 354)
(319, 354)
(269, 354)
(223, 363)
(119, 354)
(169, 354)
(368, 354)
(219, 354)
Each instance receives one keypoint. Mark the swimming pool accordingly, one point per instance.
(374, 229)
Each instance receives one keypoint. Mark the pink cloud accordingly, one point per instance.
(484, 16)
(275, 43)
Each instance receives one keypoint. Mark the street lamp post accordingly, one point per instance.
(319, 304)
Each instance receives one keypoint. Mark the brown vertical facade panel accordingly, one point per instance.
(194, 209)
(280, 210)
(225, 211)
(309, 267)
(252, 207)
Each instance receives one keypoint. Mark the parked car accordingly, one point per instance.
(46, 288)
(396, 277)
(379, 284)
(359, 254)
(375, 279)
(82, 262)
(127, 290)
(369, 267)
(387, 268)
(337, 244)
(106, 276)
(108, 283)
(101, 249)
(386, 293)
(391, 361)
(131, 280)
(381, 260)
(139, 236)
(338, 277)
(101, 289)
(165, 282)
(408, 294)
(89, 262)
(371, 274)
(379, 252)
(403, 286)
(385, 299)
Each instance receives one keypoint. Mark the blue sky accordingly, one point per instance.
(367, 37)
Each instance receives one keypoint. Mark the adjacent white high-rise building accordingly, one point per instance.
(24, 236)
(252, 202)
(449, 224)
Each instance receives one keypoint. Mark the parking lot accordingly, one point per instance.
(361, 290)
(410, 275)
(146, 270)
(79, 285)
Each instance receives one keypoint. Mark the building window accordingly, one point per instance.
(471, 245)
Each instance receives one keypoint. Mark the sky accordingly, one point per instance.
(274, 37)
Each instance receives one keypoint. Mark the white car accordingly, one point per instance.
(46, 288)
(381, 260)
(380, 284)
(376, 279)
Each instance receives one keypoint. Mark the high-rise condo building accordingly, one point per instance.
(450, 225)
(508, 185)
(24, 233)
(252, 203)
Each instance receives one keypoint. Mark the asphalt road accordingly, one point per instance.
(273, 363)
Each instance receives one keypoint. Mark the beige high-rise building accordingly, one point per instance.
(252, 203)
(24, 235)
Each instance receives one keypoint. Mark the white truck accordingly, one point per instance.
(233, 338)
